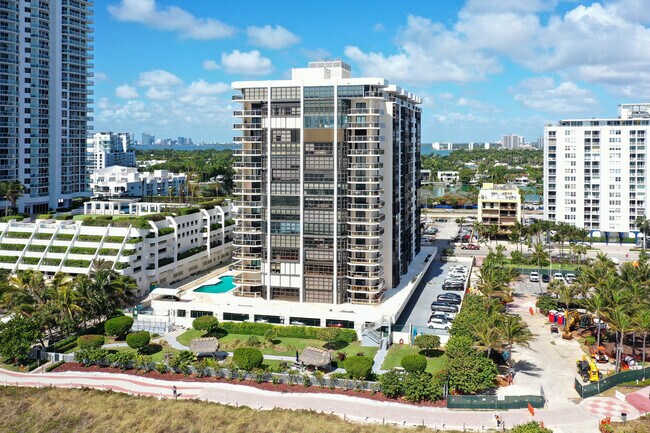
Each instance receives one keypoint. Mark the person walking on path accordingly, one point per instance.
(175, 392)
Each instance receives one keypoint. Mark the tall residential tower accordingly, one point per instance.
(595, 171)
(328, 178)
(44, 101)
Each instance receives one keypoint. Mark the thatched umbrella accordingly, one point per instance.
(313, 356)
(204, 346)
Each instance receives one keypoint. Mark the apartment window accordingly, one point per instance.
(180, 313)
(198, 313)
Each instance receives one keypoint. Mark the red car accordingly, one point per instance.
(470, 247)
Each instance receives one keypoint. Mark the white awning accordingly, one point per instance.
(160, 291)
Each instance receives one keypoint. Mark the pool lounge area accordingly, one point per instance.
(222, 284)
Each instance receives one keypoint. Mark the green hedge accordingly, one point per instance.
(44, 236)
(165, 231)
(18, 217)
(229, 222)
(8, 259)
(12, 247)
(51, 262)
(191, 252)
(118, 326)
(62, 345)
(64, 217)
(165, 261)
(83, 250)
(114, 239)
(189, 210)
(19, 235)
(310, 332)
(31, 260)
(128, 252)
(44, 216)
(89, 342)
(58, 249)
(358, 367)
(54, 366)
(108, 251)
(63, 237)
(77, 263)
(36, 248)
(134, 240)
(121, 265)
(414, 363)
(89, 238)
(215, 226)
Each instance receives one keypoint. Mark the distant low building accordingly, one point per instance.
(118, 181)
(448, 176)
(105, 149)
(425, 177)
(500, 205)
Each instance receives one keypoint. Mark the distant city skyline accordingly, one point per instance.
(482, 68)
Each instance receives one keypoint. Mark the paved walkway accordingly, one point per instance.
(563, 420)
(378, 361)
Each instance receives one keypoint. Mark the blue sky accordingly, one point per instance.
(484, 68)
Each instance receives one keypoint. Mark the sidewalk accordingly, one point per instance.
(562, 420)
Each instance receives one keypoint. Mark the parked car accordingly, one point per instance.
(453, 286)
(445, 297)
(470, 247)
(445, 309)
(448, 317)
(439, 324)
(534, 277)
(570, 278)
(545, 278)
(558, 276)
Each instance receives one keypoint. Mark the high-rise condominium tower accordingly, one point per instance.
(44, 90)
(595, 171)
(328, 178)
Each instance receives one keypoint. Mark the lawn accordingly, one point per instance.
(40, 410)
(283, 346)
(396, 352)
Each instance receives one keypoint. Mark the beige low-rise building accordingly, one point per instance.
(499, 205)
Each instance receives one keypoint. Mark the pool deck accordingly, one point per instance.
(394, 301)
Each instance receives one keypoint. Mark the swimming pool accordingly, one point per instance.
(223, 286)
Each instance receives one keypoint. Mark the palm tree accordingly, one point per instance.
(66, 301)
(487, 337)
(643, 224)
(566, 293)
(194, 189)
(517, 231)
(620, 321)
(597, 303)
(11, 192)
(513, 331)
(642, 324)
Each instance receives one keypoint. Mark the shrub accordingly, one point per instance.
(206, 323)
(414, 363)
(73, 263)
(44, 216)
(189, 210)
(89, 238)
(31, 260)
(418, 387)
(58, 249)
(108, 251)
(51, 262)
(546, 303)
(8, 259)
(165, 231)
(138, 340)
(253, 341)
(90, 342)
(114, 239)
(12, 247)
(19, 235)
(83, 250)
(54, 366)
(427, 341)
(118, 326)
(36, 248)
(391, 384)
(44, 236)
(64, 217)
(270, 335)
(121, 265)
(531, 427)
(63, 237)
(247, 358)
(358, 367)
(191, 252)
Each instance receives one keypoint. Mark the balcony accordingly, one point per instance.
(247, 113)
(247, 139)
(366, 111)
(365, 125)
(238, 253)
(246, 126)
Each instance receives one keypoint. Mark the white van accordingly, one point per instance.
(534, 277)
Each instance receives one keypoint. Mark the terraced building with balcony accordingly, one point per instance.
(156, 249)
(45, 74)
(327, 178)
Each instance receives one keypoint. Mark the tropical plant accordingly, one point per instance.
(513, 331)
(414, 363)
(118, 326)
(427, 341)
(138, 340)
(358, 367)
(247, 358)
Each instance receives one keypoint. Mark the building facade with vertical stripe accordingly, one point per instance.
(327, 179)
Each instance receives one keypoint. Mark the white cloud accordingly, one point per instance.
(251, 63)
(101, 76)
(316, 54)
(171, 18)
(427, 53)
(126, 92)
(526, 6)
(471, 103)
(210, 65)
(202, 87)
(158, 77)
(541, 93)
(159, 94)
(274, 38)
(379, 27)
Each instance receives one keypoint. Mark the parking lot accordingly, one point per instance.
(418, 309)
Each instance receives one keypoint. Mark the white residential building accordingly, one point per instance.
(154, 249)
(118, 181)
(106, 149)
(45, 73)
(595, 171)
(328, 178)
(512, 141)
(448, 176)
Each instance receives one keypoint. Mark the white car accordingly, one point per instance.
(439, 324)
(570, 278)
(449, 317)
(534, 277)
(558, 276)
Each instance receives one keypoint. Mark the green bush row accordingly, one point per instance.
(44, 236)
(134, 240)
(89, 238)
(165, 231)
(56, 347)
(83, 250)
(19, 235)
(310, 332)
(44, 216)
(63, 237)
(12, 247)
(229, 222)
(51, 262)
(189, 210)
(58, 249)
(64, 217)
(18, 217)
(31, 260)
(8, 259)
(165, 261)
(36, 248)
(191, 252)
(121, 265)
(215, 226)
(54, 366)
(108, 251)
(114, 239)
(77, 263)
